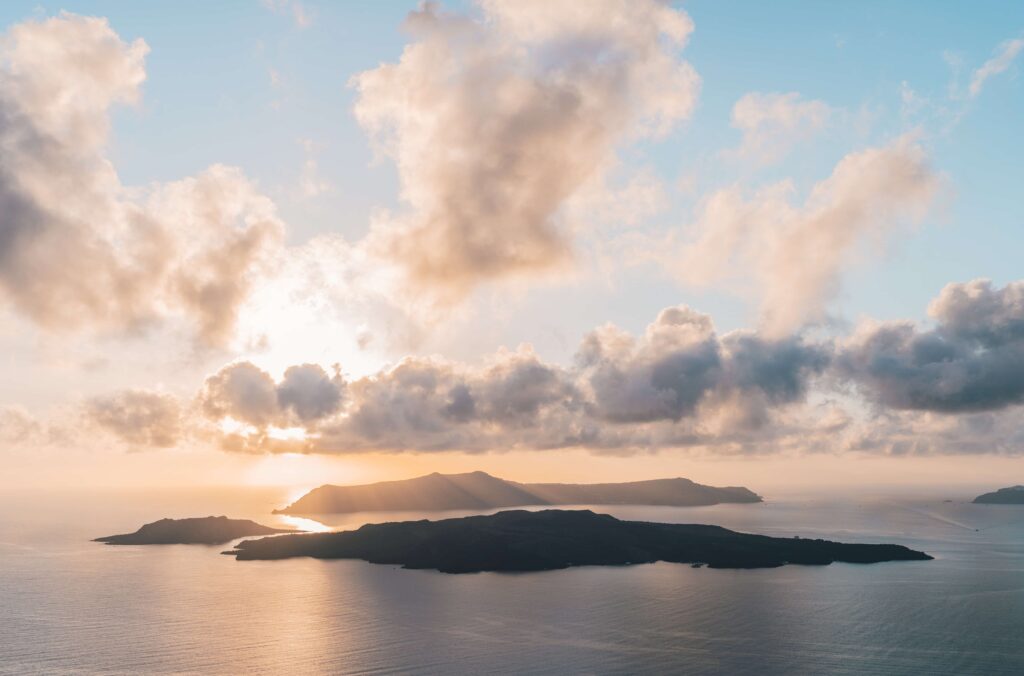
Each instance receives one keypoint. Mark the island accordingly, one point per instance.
(1013, 495)
(209, 530)
(520, 540)
(481, 491)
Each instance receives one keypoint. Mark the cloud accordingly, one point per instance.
(677, 384)
(58, 207)
(18, 426)
(901, 433)
(1003, 59)
(77, 248)
(495, 119)
(243, 392)
(663, 377)
(888, 388)
(973, 360)
(681, 369)
(977, 312)
(138, 417)
(772, 123)
(311, 184)
(795, 255)
(222, 232)
(428, 404)
(309, 392)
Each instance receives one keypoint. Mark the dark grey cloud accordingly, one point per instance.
(309, 392)
(425, 404)
(975, 312)
(664, 376)
(777, 368)
(516, 391)
(972, 360)
(681, 366)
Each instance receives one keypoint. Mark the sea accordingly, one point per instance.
(72, 606)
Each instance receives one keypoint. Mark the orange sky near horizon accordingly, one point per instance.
(297, 473)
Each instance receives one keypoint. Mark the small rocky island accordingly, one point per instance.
(481, 491)
(209, 530)
(1013, 495)
(521, 540)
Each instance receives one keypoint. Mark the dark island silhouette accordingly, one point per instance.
(1012, 495)
(209, 530)
(520, 540)
(481, 491)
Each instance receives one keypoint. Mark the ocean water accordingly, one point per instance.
(68, 605)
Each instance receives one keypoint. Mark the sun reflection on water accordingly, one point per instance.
(300, 523)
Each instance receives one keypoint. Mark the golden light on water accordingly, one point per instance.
(300, 523)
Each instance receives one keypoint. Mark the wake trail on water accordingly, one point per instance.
(939, 517)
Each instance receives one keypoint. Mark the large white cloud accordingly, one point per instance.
(795, 254)
(495, 119)
(77, 248)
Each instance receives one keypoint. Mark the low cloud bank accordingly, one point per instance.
(972, 360)
(893, 388)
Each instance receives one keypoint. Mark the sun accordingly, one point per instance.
(280, 326)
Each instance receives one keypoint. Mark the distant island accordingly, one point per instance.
(209, 530)
(521, 540)
(1013, 495)
(479, 490)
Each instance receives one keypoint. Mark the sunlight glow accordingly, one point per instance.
(287, 433)
(282, 325)
(229, 425)
(298, 472)
(300, 523)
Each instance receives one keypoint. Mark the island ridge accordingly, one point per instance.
(481, 491)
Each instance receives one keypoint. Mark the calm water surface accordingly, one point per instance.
(71, 606)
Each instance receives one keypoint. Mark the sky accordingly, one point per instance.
(289, 243)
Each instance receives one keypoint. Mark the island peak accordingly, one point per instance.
(482, 491)
(1011, 495)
